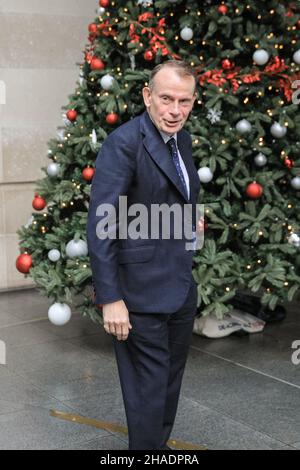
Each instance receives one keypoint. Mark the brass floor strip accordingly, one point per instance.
(117, 428)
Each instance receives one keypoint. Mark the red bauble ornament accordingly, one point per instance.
(289, 163)
(93, 28)
(104, 3)
(24, 263)
(112, 118)
(227, 64)
(97, 64)
(223, 9)
(88, 173)
(38, 203)
(72, 115)
(149, 55)
(254, 190)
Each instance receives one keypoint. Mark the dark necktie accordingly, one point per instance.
(173, 150)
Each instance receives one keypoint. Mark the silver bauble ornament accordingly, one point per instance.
(205, 174)
(53, 169)
(277, 130)
(295, 182)
(107, 81)
(186, 33)
(59, 314)
(261, 57)
(76, 248)
(243, 126)
(260, 159)
(296, 57)
(54, 255)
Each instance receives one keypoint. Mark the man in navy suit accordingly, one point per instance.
(145, 285)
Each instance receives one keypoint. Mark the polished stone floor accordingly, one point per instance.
(238, 392)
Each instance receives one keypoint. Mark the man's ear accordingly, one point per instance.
(146, 96)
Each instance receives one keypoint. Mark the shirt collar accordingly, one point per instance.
(166, 137)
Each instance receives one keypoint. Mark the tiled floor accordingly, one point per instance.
(238, 393)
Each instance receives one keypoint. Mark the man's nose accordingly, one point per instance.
(175, 108)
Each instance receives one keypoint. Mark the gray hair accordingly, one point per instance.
(180, 66)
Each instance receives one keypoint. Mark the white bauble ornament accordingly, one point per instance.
(243, 126)
(53, 169)
(54, 255)
(101, 11)
(205, 174)
(261, 57)
(76, 248)
(277, 130)
(260, 159)
(59, 314)
(296, 57)
(295, 182)
(186, 33)
(107, 81)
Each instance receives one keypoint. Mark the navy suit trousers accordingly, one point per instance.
(151, 364)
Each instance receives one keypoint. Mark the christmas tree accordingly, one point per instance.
(245, 128)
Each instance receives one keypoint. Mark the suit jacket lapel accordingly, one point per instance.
(159, 152)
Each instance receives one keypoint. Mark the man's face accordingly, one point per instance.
(171, 100)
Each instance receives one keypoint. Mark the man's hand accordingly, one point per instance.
(116, 319)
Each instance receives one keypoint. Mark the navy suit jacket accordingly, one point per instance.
(150, 275)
